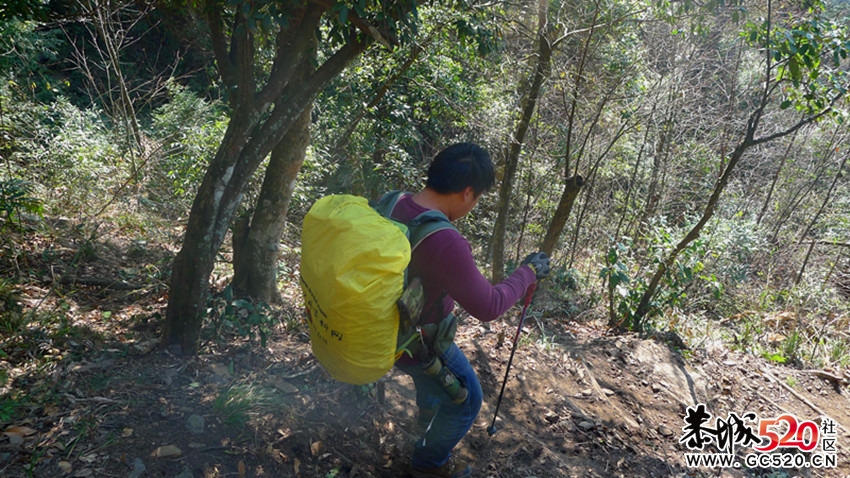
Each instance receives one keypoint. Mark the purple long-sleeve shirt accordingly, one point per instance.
(444, 263)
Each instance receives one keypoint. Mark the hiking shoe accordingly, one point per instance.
(450, 469)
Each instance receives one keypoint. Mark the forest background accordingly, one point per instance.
(684, 164)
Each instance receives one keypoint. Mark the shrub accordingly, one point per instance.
(16, 197)
(190, 130)
(72, 157)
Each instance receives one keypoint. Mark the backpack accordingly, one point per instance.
(361, 308)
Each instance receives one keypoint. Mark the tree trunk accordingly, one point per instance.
(209, 219)
(528, 104)
(254, 129)
(256, 244)
(572, 181)
(525, 213)
(562, 213)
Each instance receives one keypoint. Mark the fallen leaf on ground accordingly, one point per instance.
(167, 451)
(19, 431)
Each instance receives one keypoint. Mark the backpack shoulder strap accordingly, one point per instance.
(387, 202)
(420, 227)
(426, 224)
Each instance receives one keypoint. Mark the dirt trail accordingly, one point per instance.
(587, 405)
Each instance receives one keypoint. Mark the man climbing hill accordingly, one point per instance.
(457, 177)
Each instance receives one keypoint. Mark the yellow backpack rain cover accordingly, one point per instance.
(352, 273)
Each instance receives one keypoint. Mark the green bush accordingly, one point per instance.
(627, 281)
(27, 53)
(16, 198)
(72, 156)
(190, 130)
(240, 316)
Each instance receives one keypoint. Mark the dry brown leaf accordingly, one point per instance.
(65, 467)
(90, 458)
(126, 432)
(167, 451)
(241, 469)
(20, 431)
(297, 464)
(315, 448)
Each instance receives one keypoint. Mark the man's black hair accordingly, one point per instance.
(460, 166)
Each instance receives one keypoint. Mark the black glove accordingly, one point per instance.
(539, 263)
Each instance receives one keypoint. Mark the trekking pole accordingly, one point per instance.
(528, 295)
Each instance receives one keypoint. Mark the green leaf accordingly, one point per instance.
(332, 474)
(243, 304)
(794, 69)
(785, 105)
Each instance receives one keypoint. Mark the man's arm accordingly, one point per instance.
(457, 272)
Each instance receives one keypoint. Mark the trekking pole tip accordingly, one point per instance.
(491, 430)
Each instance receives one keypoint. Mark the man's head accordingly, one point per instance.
(461, 166)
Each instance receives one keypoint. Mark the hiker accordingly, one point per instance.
(457, 177)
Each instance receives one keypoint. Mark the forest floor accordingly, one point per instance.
(89, 393)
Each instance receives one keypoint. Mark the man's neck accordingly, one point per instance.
(430, 199)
